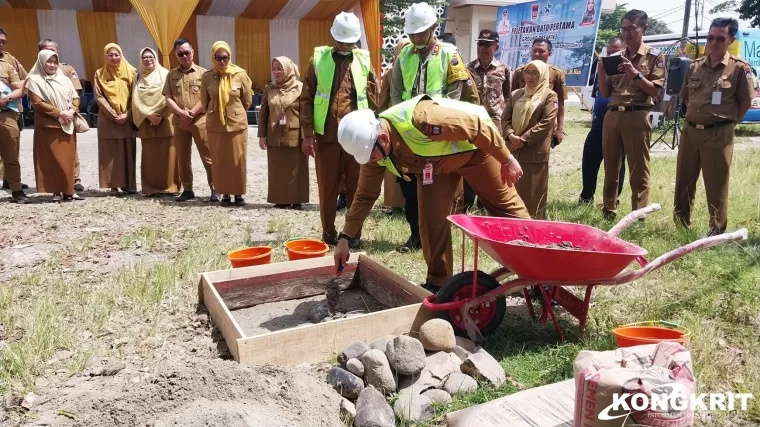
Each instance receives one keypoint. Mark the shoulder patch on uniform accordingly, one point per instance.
(660, 62)
(433, 130)
(654, 51)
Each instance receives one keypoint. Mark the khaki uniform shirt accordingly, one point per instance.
(276, 134)
(731, 77)
(71, 73)
(342, 97)
(457, 77)
(538, 135)
(236, 111)
(625, 90)
(556, 81)
(9, 75)
(184, 88)
(439, 124)
(493, 85)
(20, 71)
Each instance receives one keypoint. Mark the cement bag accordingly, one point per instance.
(647, 385)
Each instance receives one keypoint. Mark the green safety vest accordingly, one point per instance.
(437, 70)
(324, 65)
(400, 117)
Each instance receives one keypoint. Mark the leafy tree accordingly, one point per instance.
(609, 26)
(392, 12)
(748, 9)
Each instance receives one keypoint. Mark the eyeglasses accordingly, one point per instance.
(631, 29)
(114, 55)
(148, 58)
(718, 39)
(532, 73)
(184, 53)
(222, 58)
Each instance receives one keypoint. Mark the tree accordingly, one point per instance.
(392, 12)
(748, 9)
(609, 26)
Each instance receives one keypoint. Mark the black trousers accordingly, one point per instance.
(592, 161)
(411, 207)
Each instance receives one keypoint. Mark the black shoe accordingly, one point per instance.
(185, 196)
(78, 187)
(226, 201)
(411, 245)
(584, 201)
(239, 201)
(128, 191)
(281, 206)
(341, 202)
(433, 289)
(67, 199)
(7, 185)
(20, 197)
(214, 198)
(609, 216)
(354, 243)
(297, 206)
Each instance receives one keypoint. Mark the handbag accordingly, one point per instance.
(80, 124)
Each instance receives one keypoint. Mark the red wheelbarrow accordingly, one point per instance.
(550, 256)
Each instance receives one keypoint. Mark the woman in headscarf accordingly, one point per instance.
(528, 124)
(55, 104)
(279, 134)
(153, 118)
(116, 140)
(226, 96)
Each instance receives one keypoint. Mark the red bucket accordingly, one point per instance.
(305, 248)
(643, 333)
(247, 257)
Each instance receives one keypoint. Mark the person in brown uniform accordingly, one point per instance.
(528, 123)
(226, 96)
(280, 135)
(117, 148)
(627, 130)
(55, 104)
(21, 72)
(459, 141)
(718, 91)
(183, 95)
(11, 91)
(340, 79)
(541, 50)
(152, 117)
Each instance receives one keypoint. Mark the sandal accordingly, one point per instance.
(77, 197)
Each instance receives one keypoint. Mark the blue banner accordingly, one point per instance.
(570, 25)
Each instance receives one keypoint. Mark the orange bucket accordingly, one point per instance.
(247, 257)
(643, 333)
(305, 248)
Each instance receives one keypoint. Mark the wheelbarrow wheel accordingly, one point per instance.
(487, 316)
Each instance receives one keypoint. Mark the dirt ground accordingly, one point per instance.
(181, 373)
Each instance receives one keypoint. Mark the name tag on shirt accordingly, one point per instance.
(427, 174)
(716, 98)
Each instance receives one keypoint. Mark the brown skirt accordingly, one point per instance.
(116, 163)
(54, 160)
(159, 166)
(392, 196)
(229, 158)
(533, 188)
(288, 171)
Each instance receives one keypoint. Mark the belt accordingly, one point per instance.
(627, 108)
(711, 126)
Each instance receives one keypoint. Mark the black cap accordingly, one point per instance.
(488, 36)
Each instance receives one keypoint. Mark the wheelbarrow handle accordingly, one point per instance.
(632, 218)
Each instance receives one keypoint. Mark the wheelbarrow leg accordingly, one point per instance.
(548, 309)
(584, 316)
(529, 304)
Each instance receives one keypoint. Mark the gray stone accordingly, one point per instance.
(467, 344)
(372, 410)
(344, 382)
(482, 365)
(355, 367)
(442, 364)
(413, 407)
(347, 410)
(437, 335)
(406, 355)
(460, 383)
(377, 371)
(419, 383)
(353, 351)
(438, 396)
(105, 366)
(381, 343)
(318, 311)
(461, 352)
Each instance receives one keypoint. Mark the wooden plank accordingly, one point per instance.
(267, 279)
(222, 317)
(551, 405)
(274, 268)
(321, 342)
(394, 282)
(279, 289)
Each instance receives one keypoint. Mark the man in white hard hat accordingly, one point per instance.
(340, 79)
(443, 141)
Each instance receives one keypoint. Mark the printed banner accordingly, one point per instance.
(570, 25)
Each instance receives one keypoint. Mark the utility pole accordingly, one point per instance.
(686, 16)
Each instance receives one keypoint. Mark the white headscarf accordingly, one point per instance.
(55, 89)
(148, 98)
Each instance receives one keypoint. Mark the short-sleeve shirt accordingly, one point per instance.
(71, 73)
(8, 74)
(731, 77)
(627, 91)
(556, 81)
(184, 87)
(493, 84)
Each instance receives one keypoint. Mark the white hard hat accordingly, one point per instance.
(357, 133)
(346, 28)
(418, 18)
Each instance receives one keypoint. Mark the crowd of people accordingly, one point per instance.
(435, 132)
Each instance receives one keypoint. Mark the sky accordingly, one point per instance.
(671, 12)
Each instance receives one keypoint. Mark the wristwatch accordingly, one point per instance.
(344, 236)
(639, 76)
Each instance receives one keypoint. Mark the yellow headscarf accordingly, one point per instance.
(148, 98)
(116, 81)
(225, 77)
(532, 97)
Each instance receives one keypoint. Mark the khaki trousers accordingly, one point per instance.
(626, 132)
(10, 136)
(331, 161)
(483, 173)
(709, 151)
(183, 143)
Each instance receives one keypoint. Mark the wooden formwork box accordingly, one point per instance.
(224, 291)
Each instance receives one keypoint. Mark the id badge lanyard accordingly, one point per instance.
(282, 121)
(427, 173)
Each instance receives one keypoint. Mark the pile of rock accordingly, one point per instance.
(417, 372)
